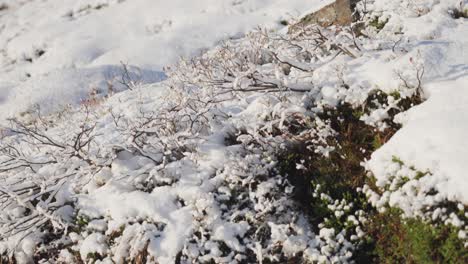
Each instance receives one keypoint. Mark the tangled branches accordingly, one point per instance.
(37, 163)
(267, 62)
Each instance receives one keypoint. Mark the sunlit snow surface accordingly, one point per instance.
(84, 50)
(433, 137)
(56, 52)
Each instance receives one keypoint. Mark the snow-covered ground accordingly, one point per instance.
(57, 52)
(433, 137)
(186, 169)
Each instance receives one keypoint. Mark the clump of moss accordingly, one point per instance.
(391, 239)
(337, 175)
(341, 171)
(284, 22)
(459, 12)
(380, 99)
(378, 23)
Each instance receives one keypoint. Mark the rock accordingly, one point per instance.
(338, 13)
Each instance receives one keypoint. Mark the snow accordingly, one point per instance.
(177, 166)
(56, 52)
(94, 243)
(433, 137)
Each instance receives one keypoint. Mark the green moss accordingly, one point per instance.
(93, 257)
(338, 175)
(420, 174)
(459, 12)
(82, 221)
(284, 22)
(116, 234)
(395, 94)
(378, 23)
(404, 180)
(394, 240)
(377, 142)
(397, 160)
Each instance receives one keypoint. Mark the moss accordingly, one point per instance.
(339, 174)
(377, 23)
(395, 159)
(395, 94)
(284, 22)
(93, 257)
(357, 113)
(420, 174)
(459, 12)
(403, 180)
(408, 102)
(378, 98)
(116, 234)
(377, 142)
(82, 221)
(394, 240)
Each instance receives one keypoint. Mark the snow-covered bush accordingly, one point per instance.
(254, 152)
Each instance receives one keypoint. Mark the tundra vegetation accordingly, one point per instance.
(254, 152)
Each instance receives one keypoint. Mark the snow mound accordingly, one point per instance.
(433, 134)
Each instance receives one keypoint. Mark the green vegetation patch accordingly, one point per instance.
(392, 239)
(325, 182)
(378, 23)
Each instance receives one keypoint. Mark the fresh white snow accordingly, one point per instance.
(58, 52)
(177, 166)
(433, 137)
